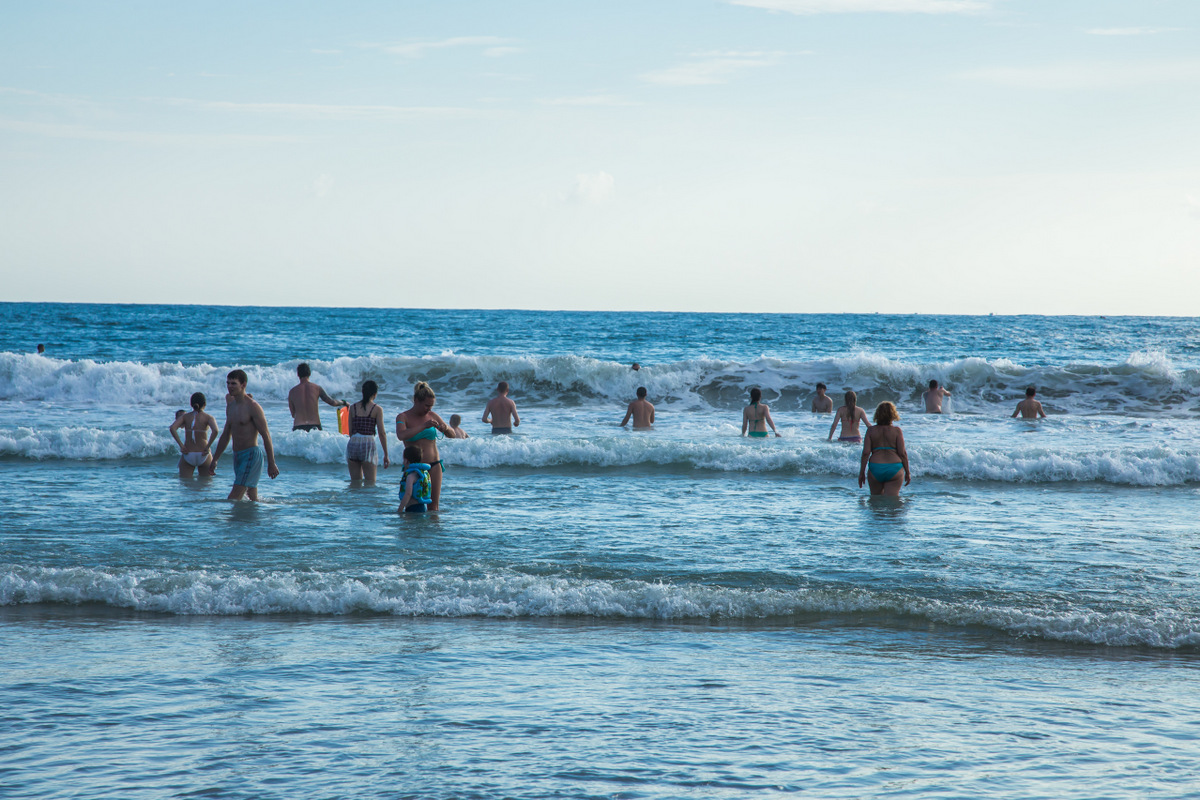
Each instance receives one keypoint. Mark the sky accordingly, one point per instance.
(807, 156)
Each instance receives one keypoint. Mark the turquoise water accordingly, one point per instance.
(596, 612)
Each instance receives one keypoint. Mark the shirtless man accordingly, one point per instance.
(822, 403)
(302, 401)
(501, 411)
(642, 411)
(244, 421)
(1030, 408)
(933, 398)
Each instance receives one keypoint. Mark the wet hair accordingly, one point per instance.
(502, 386)
(822, 386)
(412, 454)
(851, 403)
(755, 394)
(933, 384)
(239, 376)
(641, 393)
(369, 390)
(423, 391)
(455, 419)
(41, 348)
(886, 413)
(303, 371)
(199, 401)
(1031, 391)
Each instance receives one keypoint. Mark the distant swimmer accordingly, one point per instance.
(302, 401)
(41, 349)
(822, 403)
(635, 366)
(501, 411)
(420, 426)
(757, 416)
(416, 487)
(244, 422)
(849, 416)
(194, 446)
(1029, 408)
(933, 398)
(884, 455)
(456, 431)
(366, 422)
(642, 411)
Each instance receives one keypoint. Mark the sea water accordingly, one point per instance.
(598, 612)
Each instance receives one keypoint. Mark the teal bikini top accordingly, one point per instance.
(427, 433)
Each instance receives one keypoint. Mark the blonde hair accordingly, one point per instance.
(886, 413)
(423, 391)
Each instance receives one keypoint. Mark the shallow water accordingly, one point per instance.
(596, 612)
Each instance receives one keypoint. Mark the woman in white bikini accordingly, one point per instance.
(194, 447)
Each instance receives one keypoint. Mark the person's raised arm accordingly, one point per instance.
(259, 420)
(324, 395)
(902, 451)
(377, 413)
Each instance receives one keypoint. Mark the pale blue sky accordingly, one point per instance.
(955, 156)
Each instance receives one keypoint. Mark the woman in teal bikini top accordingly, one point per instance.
(420, 426)
(884, 454)
(755, 414)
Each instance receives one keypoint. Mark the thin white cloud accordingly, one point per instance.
(707, 69)
(322, 185)
(1092, 75)
(588, 100)
(61, 101)
(419, 49)
(1129, 31)
(325, 111)
(61, 131)
(594, 188)
(869, 6)
(500, 52)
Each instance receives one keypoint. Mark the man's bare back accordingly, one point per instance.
(501, 412)
(642, 412)
(302, 401)
(1029, 409)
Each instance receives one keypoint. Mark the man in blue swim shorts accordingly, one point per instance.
(244, 421)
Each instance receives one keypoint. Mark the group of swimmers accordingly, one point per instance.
(418, 428)
(883, 456)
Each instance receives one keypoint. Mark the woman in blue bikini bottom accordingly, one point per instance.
(884, 440)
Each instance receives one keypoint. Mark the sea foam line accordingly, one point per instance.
(403, 593)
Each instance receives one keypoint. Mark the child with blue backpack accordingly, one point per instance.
(416, 485)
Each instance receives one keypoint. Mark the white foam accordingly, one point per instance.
(405, 593)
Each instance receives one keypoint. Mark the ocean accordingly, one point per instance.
(598, 612)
